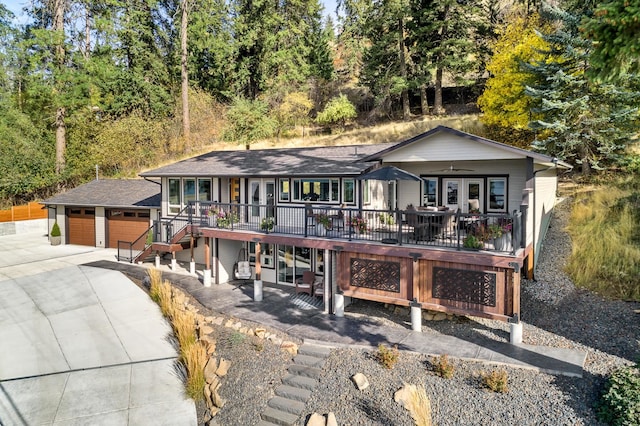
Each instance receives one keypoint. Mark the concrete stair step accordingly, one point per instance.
(282, 418)
(304, 371)
(287, 405)
(301, 382)
(314, 350)
(293, 392)
(309, 361)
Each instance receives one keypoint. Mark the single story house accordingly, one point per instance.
(452, 230)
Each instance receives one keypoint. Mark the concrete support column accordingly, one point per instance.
(416, 317)
(515, 330)
(257, 290)
(192, 267)
(338, 304)
(174, 264)
(207, 278)
(157, 260)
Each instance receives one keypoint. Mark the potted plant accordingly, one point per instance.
(267, 224)
(358, 223)
(55, 235)
(472, 242)
(502, 241)
(323, 223)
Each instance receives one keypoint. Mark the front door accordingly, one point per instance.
(458, 192)
(262, 193)
(452, 193)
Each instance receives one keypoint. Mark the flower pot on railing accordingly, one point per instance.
(503, 242)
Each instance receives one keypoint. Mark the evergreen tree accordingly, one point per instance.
(444, 35)
(385, 70)
(588, 124)
(614, 29)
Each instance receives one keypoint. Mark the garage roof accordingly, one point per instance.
(309, 161)
(121, 193)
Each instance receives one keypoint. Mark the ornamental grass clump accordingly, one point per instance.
(388, 357)
(194, 358)
(495, 380)
(443, 367)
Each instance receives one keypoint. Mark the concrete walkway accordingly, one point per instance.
(81, 345)
(302, 320)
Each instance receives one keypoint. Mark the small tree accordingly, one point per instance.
(338, 110)
(248, 121)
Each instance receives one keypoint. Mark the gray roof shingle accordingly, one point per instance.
(309, 161)
(121, 193)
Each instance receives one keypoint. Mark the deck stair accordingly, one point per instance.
(289, 404)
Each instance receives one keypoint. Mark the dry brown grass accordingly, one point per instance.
(414, 399)
(184, 326)
(606, 255)
(194, 358)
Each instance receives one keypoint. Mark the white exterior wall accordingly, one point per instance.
(61, 218)
(409, 192)
(545, 189)
(101, 227)
(448, 147)
(227, 257)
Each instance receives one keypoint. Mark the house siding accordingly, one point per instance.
(545, 189)
(447, 147)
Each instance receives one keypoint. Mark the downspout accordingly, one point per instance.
(535, 211)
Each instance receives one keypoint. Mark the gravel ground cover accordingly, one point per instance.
(554, 313)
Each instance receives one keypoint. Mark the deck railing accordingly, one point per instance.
(444, 229)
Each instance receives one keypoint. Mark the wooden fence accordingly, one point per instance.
(30, 211)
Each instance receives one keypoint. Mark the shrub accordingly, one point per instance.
(55, 230)
(184, 327)
(620, 402)
(442, 367)
(388, 357)
(339, 110)
(495, 380)
(236, 338)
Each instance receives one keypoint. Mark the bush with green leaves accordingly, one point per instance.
(620, 402)
(339, 110)
(55, 230)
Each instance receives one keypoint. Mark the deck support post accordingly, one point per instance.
(416, 316)
(157, 261)
(515, 331)
(207, 278)
(192, 267)
(338, 299)
(174, 262)
(257, 290)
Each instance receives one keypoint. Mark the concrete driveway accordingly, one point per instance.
(81, 345)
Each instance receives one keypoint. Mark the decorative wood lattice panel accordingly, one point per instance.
(375, 274)
(461, 285)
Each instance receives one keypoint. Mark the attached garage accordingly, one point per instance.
(81, 226)
(102, 212)
(126, 225)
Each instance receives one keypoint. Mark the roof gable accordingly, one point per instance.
(446, 144)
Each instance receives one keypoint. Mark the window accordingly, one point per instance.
(348, 191)
(430, 192)
(366, 192)
(174, 196)
(318, 189)
(266, 255)
(189, 188)
(497, 194)
(284, 190)
(204, 189)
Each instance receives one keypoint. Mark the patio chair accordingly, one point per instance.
(306, 283)
(242, 267)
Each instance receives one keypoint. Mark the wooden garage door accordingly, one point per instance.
(81, 226)
(126, 225)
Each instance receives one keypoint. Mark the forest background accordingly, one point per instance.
(123, 85)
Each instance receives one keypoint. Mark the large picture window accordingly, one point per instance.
(317, 190)
(497, 194)
(204, 189)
